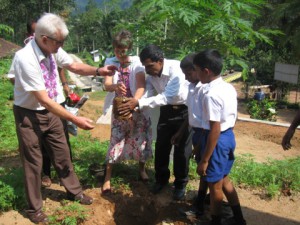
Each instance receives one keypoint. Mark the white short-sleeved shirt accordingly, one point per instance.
(193, 103)
(11, 72)
(28, 75)
(170, 88)
(219, 103)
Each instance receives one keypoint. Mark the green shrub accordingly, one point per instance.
(69, 214)
(262, 110)
(5, 64)
(12, 190)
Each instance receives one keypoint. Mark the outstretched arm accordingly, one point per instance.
(85, 69)
(286, 140)
(60, 111)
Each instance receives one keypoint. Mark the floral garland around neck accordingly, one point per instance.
(49, 76)
(28, 39)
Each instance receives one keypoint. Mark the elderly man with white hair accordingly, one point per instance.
(37, 113)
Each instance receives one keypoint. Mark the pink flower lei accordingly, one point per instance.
(49, 76)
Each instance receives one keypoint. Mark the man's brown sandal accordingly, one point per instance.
(46, 181)
(38, 218)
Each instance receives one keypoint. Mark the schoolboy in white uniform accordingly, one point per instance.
(217, 142)
(193, 103)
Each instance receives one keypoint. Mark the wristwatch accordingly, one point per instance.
(97, 72)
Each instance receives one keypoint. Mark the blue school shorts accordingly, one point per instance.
(222, 159)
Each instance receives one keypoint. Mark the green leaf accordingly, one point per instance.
(6, 29)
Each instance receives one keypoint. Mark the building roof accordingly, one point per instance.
(7, 48)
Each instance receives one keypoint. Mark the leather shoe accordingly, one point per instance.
(38, 217)
(46, 181)
(232, 221)
(157, 187)
(82, 198)
(178, 194)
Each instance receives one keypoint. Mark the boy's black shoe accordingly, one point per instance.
(157, 187)
(178, 194)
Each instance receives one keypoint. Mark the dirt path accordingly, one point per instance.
(137, 205)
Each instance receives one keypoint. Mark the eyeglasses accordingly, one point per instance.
(57, 41)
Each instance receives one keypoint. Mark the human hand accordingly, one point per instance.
(84, 123)
(286, 140)
(202, 167)
(128, 106)
(108, 70)
(120, 89)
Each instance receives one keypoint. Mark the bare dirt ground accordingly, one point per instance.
(137, 205)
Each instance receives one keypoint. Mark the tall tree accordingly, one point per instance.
(29, 9)
(283, 15)
(193, 25)
(94, 27)
(287, 17)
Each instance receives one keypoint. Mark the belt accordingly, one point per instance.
(43, 111)
(174, 107)
(197, 129)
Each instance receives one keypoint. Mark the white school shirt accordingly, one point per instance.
(29, 76)
(170, 88)
(193, 103)
(219, 103)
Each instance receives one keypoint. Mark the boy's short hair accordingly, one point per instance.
(152, 52)
(187, 61)
(210, 59)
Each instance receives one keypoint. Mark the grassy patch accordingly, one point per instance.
(274, 176)
(97, 95)
(86, 151)
(7, 126)
(11, 189)
(8, 136)
(69, 214)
